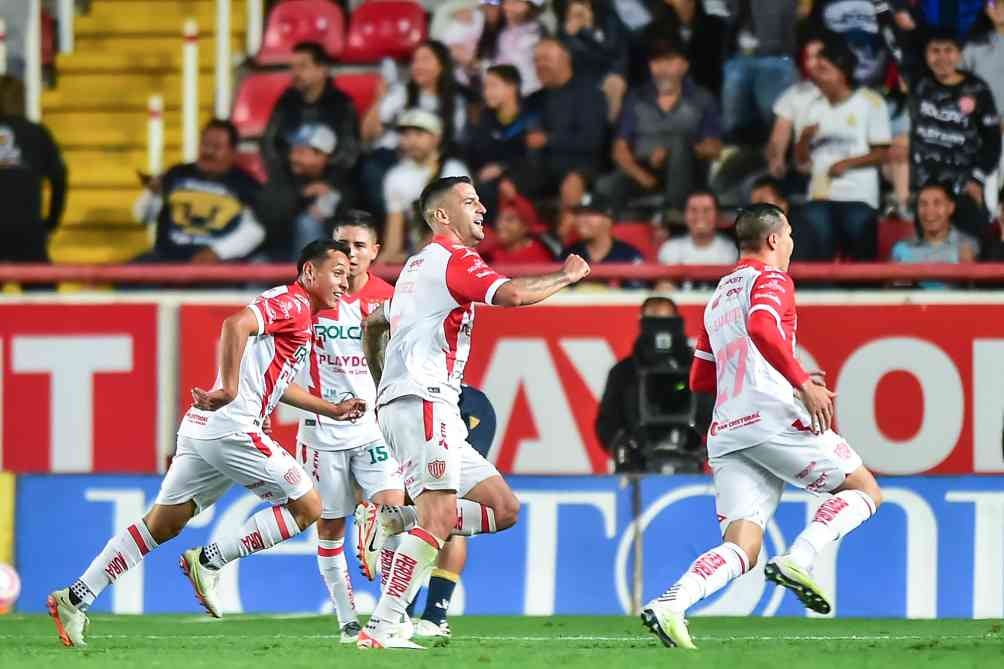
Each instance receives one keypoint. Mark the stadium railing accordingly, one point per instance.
(243, 273)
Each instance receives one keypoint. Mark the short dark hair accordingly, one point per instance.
(837, 51)
(656, 300)
(767, 181)
(317, 250)
(667, 48)
(943, 34)
(356, 218)
(703, 192)
(755, 222)
(508, 74)
(938, 185)
(233, 136)
(316, 51)
(434, 190)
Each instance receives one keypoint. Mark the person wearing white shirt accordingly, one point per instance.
(422, 162)
(701, 245)
(845, 145)
(791, 110)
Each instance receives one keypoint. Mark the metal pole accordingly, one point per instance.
(190, 92)
(3, 46)
(155, 135)
(33, 62)
(222, 108)
(65, 15)
(254, 27)
(638, 546)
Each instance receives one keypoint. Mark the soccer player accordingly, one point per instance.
(771, 425)
(336, 453)
(455, 489)
(221, 442)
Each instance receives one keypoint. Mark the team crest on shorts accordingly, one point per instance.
(437, 468)
(292, 476)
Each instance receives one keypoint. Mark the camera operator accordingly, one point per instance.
(644, 415)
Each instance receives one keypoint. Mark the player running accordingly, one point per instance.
(430, 319)
(771, 425)
(221, 442)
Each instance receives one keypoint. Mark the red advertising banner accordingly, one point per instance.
(920, 388)
(78, 387)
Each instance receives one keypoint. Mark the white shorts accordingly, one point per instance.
(429, 439)
(203, 469)
(371, 466)
(748, 483)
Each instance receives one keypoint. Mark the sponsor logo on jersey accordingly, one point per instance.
(292, 475)
(437, 468)
(336, 332)
(735, 423)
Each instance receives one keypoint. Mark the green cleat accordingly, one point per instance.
(670, 626)
(783, 571)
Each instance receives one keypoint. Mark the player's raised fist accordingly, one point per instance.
(575, 268)
(211, 400)
(349, 409)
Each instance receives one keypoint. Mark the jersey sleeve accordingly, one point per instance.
(279, 313)
(703, 377)
(771, 299)
(469, 279)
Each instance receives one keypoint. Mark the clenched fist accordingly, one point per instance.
(575, 268)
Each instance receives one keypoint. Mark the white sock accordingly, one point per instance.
(387, 558)
(474, 518)
(708, 574)
(122, 552)
(398, 519)
(262, 530)
(415, 557)
(834, 519)
(335, 572)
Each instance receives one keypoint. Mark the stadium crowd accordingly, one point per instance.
(621, 130)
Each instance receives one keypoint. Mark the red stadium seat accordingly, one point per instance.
(639, 235)
(384, 28)
(297, 21)
(361, 87)
(890, 231)
(251, 162)
(256, 96)
(48, 39)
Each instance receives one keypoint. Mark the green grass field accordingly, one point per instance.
(284, 642)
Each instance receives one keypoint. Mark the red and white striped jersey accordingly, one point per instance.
(337, 370)
(754, 399)
(270, 362)
(431, 317)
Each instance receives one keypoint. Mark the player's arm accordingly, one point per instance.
(376, 331)
(233, 340)
(703, 374)
(297, 396)
(534, 289)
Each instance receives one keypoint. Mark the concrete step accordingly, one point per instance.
(102, 128)
(131, 87)
(97, 244)
(86, 205)
(109, 165)
(95, 60)
(164, 41)
(141, 15)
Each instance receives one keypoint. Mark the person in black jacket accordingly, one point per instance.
(28, 155)
(312, 98)
(618, 412)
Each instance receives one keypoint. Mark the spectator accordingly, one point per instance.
(939, 241)
(955, 133)
(767, 190)
(857, 23)
(515, 240)
(203, 210)
(791, 111)
(458, 25)
(598, 42)
(668, 133)
(844, 146)
(984, 55)
(498, 139)
(594, 221)
(702, 245)
(295, 210)
(28, 154)
(686, 22)
(431, 87)
(515, 40)
(422, 161)
(568, 129)
(761, 67)
(312, 98)
(619, 414)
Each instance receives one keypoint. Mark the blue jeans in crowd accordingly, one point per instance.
(751, 86)
(305, 230)
(828, 227)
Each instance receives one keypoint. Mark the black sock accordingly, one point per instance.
(411, 606)
(437, 602)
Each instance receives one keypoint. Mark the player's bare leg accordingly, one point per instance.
(123, 551)
(452, 559)
(264, 529)
(852, 503)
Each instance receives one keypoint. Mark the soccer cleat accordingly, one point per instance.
(670, 626)
(71, 622)
(428, 629)
(370, 536)
(369, 639)
(203, 581)
(783, 571)
(350, 632)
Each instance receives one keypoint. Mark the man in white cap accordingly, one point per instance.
(421, 163)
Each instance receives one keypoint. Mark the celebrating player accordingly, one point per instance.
(221, 442)
(771, 425)
(430, 318)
